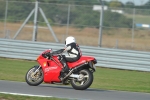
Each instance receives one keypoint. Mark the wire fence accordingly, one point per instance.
(123, 28)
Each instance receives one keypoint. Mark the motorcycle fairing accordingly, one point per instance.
(51, 70)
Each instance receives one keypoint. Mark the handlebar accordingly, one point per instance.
(49, 54)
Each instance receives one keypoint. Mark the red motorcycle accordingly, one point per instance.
(49, 69)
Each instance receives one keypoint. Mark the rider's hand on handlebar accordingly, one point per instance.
(47, 55)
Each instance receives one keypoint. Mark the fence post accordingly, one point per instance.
(68, 18)
(6, 11)
(133, 26)
(34, 37)
(101, 24)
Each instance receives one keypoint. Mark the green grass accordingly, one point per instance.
(14, 70)
(122, 80)
(104, 78)
(16, 97)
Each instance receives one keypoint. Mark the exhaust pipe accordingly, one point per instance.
(74, 69)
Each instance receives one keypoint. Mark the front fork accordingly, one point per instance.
(36, 69)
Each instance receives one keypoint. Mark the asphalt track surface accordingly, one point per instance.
(59, 91)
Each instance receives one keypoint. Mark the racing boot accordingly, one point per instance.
(65, 66)
(65, 69)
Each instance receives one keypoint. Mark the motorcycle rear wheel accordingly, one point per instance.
(32, 78)
(85, 80)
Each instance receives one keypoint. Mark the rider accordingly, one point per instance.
(73, 51)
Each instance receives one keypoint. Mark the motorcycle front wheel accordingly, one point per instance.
(84, 81)
(34, 76)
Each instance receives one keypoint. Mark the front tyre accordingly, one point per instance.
(84, 81)
(34, 76)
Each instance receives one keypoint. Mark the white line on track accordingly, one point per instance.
(25, 94)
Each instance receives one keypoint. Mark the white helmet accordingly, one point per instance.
(69, 40)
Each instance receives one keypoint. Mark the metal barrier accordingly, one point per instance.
(106, 57)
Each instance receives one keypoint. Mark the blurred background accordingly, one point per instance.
(122, 24)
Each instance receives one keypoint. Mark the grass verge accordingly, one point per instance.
(104, 78)
(17, 97)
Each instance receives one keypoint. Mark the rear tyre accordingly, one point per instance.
(84, 81)
(33, 78)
